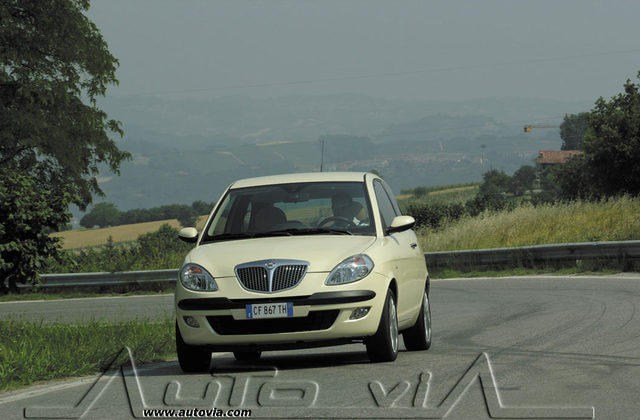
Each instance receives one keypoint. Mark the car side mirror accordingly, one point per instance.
(188, 234)
(401, 223)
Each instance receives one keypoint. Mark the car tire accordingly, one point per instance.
(418, 337)
(247, 356)
(191, 358)
(383, 345)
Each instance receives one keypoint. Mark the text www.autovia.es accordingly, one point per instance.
(196, 412)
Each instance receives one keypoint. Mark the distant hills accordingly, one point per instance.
(187, 150)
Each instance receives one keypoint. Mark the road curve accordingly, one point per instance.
(541, 347)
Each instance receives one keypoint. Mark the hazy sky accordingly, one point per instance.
(447, 50)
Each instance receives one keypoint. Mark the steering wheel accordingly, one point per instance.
(348, 222)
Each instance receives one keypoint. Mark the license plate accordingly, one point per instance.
(270, 310)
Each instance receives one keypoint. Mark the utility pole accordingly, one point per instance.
(322, 155)
(482, 146)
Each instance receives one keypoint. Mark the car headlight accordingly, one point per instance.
(195, 277)
(352, 269)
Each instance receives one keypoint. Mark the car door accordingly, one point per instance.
(416, 264)
(397, 248)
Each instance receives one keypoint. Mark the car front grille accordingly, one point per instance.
(315, 321)
(270, 276)
(254, 278)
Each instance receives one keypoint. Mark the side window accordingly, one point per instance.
(387, 212)
(392, 197)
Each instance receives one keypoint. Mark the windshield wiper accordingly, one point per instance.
(320, 231)
(225, 236)
(285, 232)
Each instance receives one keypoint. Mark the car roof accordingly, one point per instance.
(300, 177)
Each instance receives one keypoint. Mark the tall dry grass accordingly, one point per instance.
(614, 219)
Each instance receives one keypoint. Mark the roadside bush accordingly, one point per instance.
(433, 214)
(27, 211)
(490, 197)
(151, 251)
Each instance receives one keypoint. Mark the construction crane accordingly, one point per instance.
(529, 127)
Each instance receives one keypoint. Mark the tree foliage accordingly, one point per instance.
(522, 180)
(27, 212)
(51, 57)
(612, 147)
(609, 165)
(101, 215)
(54, 64)
(573, 130)
(202, 207)
(496, 177)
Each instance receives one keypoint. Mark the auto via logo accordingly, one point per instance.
(270, 265)
(406, 399)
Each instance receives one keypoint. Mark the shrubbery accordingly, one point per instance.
(433, 214)
(491, 196)
(151, 251)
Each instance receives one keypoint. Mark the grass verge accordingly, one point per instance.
(35, 351)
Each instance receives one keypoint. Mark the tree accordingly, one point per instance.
(498, 178)
(26, 213)
(612, 144)
(572, 180)
(573, 130)
(522, 180)
(186, 215)
(101, 215)
(202, 207)
(489, 197)
(51, 58)
(54, 64)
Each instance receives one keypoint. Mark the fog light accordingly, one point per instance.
(359, 312)
(191, 321)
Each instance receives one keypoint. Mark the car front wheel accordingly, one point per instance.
(418, 337)
(383, 345)
(191, 358)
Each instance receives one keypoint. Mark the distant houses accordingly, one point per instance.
(547, 158)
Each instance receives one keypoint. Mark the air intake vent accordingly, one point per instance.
(269, 276)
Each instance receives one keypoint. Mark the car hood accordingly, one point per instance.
(323, 252)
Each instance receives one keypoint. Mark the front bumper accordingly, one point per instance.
(312, 301)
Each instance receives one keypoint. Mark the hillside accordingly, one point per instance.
(191, 150)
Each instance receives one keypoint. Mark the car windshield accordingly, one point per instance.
(338, 208)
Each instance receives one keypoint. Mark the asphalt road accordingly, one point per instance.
(506, 348)
(111, 308)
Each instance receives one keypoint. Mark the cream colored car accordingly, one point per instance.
(302, 260)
